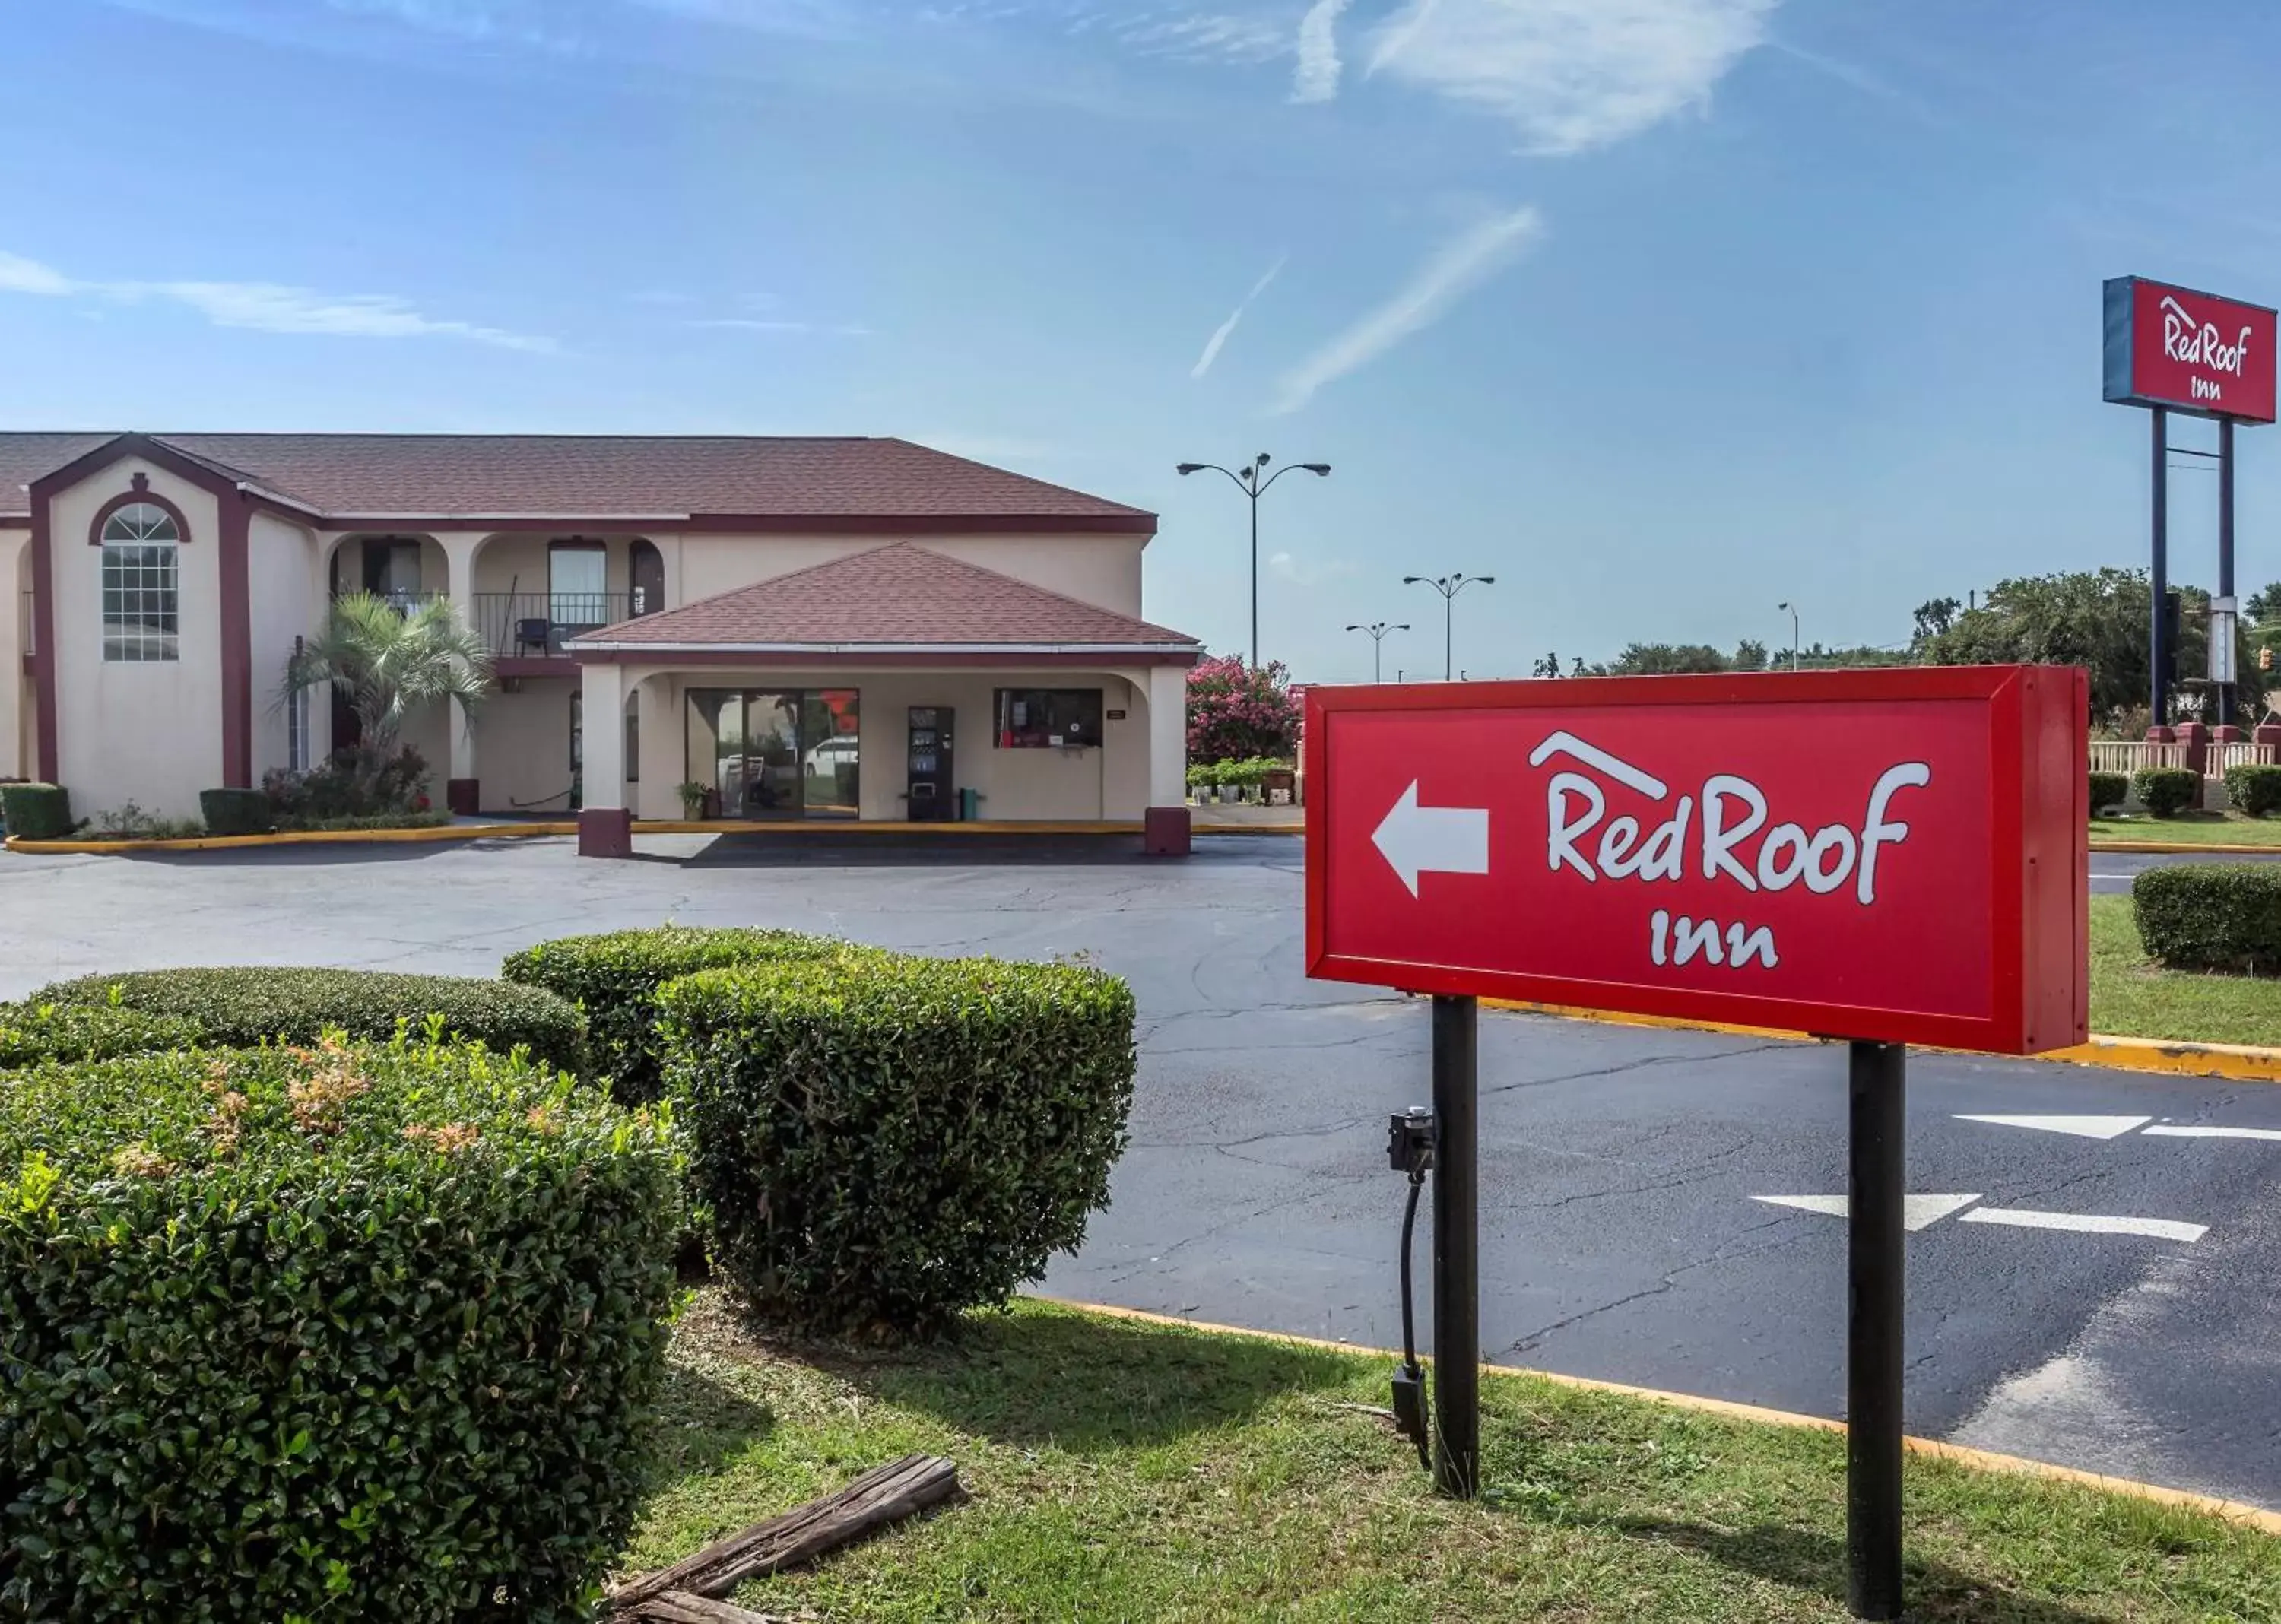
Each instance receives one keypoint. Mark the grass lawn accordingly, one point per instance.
(1121, 1471)
(2130, 997)
(2190, 829)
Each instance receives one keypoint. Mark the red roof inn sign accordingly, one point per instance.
(2189, 352)
(1897, 855)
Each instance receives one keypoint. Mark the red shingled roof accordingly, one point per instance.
(589, 476)
(903, 595)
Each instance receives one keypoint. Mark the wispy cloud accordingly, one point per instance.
(752, 324)
(1317, 78)
(1458, 267)
(1309, 572)
(1226, 330)
(264, 307)
(1573, 74)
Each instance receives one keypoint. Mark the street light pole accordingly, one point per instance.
(1449, 586)
(1378, 631)
(1249, 480)
(1792, 609)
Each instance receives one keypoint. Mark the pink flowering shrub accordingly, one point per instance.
(1236, 713)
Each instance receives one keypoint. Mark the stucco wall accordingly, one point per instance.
(281, 582)
(145, 731)
(1103, 570)
(1027, 786)
(522, 747)
(15, 687)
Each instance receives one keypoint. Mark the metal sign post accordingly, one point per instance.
(1456, 1249)
(1874, 1273)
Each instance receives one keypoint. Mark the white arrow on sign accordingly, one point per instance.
(1418, 839)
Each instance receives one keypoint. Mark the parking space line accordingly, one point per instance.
(2188, 1132)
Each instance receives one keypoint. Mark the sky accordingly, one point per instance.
(1660, 312)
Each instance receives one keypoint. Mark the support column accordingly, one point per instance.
(463, 791)
(605, 828)
(13, 550)
(1166, 825)
(664, 749)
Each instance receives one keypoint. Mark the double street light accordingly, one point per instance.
(1449, 586)
(1378, 630)
(1255, 482)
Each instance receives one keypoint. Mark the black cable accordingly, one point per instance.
(1408, 1313)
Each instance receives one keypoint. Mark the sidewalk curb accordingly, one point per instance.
(2238, 1062)
(2183, 849)
(2231, 1510)
(301, 836)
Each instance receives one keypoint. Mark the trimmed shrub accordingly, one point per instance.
(2108, 789)
(886, 1142)
(2254, 789)
(32, 1033)
(240, 1008)
(343, 1333)
(2168, 791)
(615, 979)
(35, 811)
(2209, 915)
(229, 812)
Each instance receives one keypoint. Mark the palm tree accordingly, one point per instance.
(387, 662)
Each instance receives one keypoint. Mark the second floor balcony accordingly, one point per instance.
(534, 625)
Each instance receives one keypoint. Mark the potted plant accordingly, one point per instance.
(692, 801)
(1199, 782)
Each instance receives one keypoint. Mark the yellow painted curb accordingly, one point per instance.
(2232, 1511)
(2184, 849)
(981, 826)
(2238, 1062)
(1274, 828)
(299, 836)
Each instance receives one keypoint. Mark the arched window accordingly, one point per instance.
(142, 584)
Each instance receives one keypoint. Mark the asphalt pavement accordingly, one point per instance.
(1626, 1232)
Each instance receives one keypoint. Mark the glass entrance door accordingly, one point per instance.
(770, 755)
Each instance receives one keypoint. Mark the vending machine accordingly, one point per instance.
(933, 799)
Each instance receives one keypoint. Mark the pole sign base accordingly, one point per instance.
(1896, 855)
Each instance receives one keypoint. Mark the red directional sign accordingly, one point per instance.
(1897, 856)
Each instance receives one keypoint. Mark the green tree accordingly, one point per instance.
(2100, 619)
(388, 664)
(1750, 655)
(1934, 617)
(1665, 660)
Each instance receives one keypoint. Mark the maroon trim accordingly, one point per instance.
(15, 521)
(605, 832)
(770, 524)
(237, 610)
(43, 647)
(128, 499)
(858, 661)
(463, 796)
(535, 665)
(237, 643)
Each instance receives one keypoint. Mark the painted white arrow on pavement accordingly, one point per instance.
(2088, 1223)
(1917, 1211)
(2082, 1127)
(1418, 839)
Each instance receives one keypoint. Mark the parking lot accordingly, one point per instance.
(1655, 1204)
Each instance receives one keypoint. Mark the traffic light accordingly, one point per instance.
(2265, 658)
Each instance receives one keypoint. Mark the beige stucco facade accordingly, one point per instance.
(152, 732)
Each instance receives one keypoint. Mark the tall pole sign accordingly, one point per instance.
(2173, 349)
(1887, 856)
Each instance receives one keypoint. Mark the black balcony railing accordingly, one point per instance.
(534, 625)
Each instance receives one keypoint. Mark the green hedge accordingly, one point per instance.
(33, 1033)
(615, 978)
(884, 1143)
(2168, 791)
(336, 1334)
(35, 811)
(2207, 916)
(2108, 789)
(2254, 789)
(230, 812)
(239, 1009)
